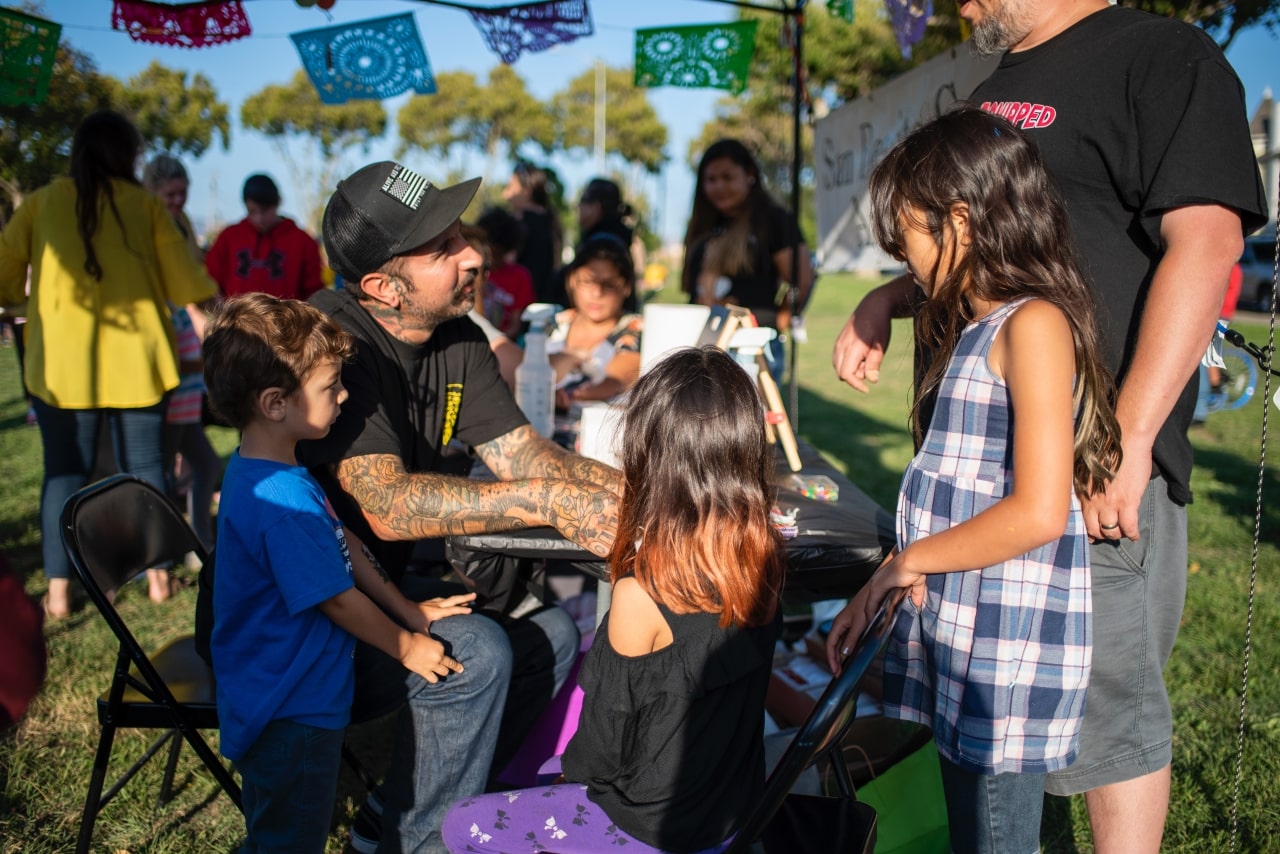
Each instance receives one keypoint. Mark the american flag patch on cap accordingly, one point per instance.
(405, 186)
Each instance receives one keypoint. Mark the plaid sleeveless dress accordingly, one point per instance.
(997, 660)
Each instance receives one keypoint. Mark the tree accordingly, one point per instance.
(293, 113)
(35, 139)
(633, 131)
(502, 114)
(175, 115)
(515, 116)
(442, 123)
(1223, 21)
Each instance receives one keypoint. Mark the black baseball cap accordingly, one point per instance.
(384, 210)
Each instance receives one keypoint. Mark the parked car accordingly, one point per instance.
(1258, 262)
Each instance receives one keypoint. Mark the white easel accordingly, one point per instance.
(741, 338)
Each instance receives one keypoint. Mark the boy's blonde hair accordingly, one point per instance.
(256, 342)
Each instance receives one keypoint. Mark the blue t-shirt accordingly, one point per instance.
(281, 553)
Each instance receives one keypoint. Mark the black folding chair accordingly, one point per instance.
(787, 823)
(113, 530)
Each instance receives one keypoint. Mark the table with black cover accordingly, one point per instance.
(839, 544)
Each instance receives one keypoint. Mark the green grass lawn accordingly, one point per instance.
(44, 763)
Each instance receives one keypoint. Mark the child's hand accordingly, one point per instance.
(849, 624)
(895, 572)
(425, 656)
(846, 628)
(426, 613)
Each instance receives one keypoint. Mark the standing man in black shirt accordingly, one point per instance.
(1142, 123)
(424, 374)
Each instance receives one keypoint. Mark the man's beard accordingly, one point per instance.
(428, 320)
(999, 29)
(457, 308)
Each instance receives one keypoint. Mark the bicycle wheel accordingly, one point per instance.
(1239, 379)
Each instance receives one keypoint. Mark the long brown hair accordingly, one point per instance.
(730, 251)
(693, 523)
(1020, 246)
(105, 146)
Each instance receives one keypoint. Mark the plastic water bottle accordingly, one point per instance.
(535, 379)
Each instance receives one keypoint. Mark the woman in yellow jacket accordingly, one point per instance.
(105, 257)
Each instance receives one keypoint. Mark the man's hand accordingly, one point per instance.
(862, 342)
(1113, 513)
(583, 512)
(425, 656)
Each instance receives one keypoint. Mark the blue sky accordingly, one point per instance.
(453, 43)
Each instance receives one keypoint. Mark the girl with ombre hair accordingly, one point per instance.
(669, 749)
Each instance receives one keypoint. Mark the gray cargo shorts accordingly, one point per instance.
(1139, 589)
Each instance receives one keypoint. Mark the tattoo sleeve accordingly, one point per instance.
(522, 454)
(400, 505)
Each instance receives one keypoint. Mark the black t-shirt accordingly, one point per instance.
(537, 253)
(1134, 115)
(407, 401)
(757, 289)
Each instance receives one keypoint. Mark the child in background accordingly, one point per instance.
(669, 748)
(285, 603)
(993, 648)
(594, 346)
(510, 287)
(1211, 376)
(166, 177)
(508, 353)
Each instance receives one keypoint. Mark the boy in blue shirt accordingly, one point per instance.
(288, 603)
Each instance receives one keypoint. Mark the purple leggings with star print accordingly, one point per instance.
(556, 818)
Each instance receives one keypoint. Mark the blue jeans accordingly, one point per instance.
(992, 814)
(289, 780)
(447, 731)
(206, 467)
(70, 441)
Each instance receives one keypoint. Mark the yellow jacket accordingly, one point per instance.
(109, 343)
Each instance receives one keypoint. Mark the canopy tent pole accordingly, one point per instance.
(796, 13)
(793, 289)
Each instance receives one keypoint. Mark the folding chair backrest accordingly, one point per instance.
(113, 530)
(825, 727)
(121, 526)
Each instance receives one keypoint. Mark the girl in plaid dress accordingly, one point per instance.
(992, 649)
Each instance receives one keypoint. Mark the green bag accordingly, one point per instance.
(910, 809)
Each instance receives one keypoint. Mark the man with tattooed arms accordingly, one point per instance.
(424, 374)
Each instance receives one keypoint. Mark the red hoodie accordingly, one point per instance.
(284, 262)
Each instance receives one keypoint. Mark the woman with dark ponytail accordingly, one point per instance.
(104, 257)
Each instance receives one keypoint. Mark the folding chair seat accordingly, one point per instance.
(113, 530)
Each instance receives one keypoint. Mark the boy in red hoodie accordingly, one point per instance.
(265, 252)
